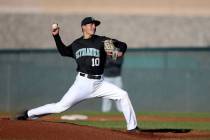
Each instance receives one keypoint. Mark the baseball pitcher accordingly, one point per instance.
(90, 52)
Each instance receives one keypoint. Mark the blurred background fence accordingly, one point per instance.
(157, 79)
(166, 67)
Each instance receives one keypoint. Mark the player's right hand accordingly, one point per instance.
(55, 29)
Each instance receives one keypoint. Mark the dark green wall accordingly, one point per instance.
(156, 79)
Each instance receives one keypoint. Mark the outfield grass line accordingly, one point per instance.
(177, 114)
(146, 125)
(166, 114)
(142, 123)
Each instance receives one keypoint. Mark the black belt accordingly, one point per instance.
(90, 76)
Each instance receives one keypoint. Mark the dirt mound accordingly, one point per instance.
(11, 129)
(43, 130)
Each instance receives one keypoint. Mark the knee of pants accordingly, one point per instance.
(60, 108)
(124, 94)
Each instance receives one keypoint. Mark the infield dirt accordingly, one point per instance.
(48, 130)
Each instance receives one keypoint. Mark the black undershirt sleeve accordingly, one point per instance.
(62, 48)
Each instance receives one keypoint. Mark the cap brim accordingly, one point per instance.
(97, 22)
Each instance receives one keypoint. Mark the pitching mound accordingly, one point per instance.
(42, 130)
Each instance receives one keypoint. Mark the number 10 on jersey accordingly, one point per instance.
(95, 62)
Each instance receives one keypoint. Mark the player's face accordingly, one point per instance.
(89, 29)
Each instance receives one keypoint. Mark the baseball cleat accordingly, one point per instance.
(23, 116)
(135, 130)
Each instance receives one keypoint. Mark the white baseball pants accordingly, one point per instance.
(85, 88)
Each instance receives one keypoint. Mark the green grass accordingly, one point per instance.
(162, 114)
(148, 124)
(177, 125)
(177, 114)
(102, 124)
(89, 113)
(144, 124)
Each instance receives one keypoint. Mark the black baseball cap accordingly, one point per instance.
(88, 20)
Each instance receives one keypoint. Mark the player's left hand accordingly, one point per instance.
(116, 54)
(111, 50)
(119, 54)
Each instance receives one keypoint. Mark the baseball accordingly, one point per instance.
(54, 26)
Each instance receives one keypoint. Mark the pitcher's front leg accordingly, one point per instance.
(110, 91)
